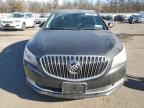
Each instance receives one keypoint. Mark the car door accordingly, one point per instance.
(29, 20)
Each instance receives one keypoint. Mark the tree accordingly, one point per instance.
(55, 4)
(110, 6)
(85, 4)
(98, 6)
(3, 7)
(68, 5)
(15, 5)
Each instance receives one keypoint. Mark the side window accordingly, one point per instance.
(28, 15)
(99, 21)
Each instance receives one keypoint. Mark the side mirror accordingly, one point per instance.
(27, 17)
(111, 25)
(41, 24)
(98, 27)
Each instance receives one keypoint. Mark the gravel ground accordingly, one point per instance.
(14, 92)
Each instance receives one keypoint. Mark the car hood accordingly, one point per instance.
(70, 42)
(12, 19)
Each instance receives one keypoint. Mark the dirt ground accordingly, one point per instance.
(14, 92)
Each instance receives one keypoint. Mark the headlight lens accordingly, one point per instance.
(29, 57)
(17, 21)
(119, 58)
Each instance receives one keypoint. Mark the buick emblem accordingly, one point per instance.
(74, 67)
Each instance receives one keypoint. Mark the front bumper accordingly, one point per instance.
(89, 93)
(101, 86)
(12, 26)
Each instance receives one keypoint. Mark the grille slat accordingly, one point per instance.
(99, 62)
(52, 66)
(55, 65)
(96, 65)
(89, 66)
(59, 66)
(46, 64)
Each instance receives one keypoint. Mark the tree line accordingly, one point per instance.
(107, 6)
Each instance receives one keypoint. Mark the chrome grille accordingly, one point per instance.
(7, 21)
(89, 66)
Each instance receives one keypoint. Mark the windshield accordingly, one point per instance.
(75, 21)
(139, 16)
(18, 15)
(42, 16)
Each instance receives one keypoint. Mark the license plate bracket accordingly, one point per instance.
(7, 25)
(73, 88)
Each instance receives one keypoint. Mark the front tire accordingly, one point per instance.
(34, 25)
(23, 27)
(133, 21)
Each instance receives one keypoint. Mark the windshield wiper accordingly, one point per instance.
(66, 28)
(52, 28)
(83, 28)
(57, 28)
(88, 29)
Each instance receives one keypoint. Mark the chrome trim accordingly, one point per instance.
(88, 62)
(110, 87)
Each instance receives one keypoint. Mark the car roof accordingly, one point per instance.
(18, 13)
(76, 11)
(119, 15)
(22, 13)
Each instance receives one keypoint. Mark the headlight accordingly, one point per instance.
(119, 58)
(29, 57)
(18, 21)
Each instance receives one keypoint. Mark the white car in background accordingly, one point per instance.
(42, 18)
(0, 23)
(19, 21)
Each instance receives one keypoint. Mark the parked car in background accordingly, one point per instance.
(108, 17)
(41, 18)
(126, 18)
(0, 23)
(136, 19)
(119, 18)
(19, 21)
(74, 55)
(103, 16)
(141, 18)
